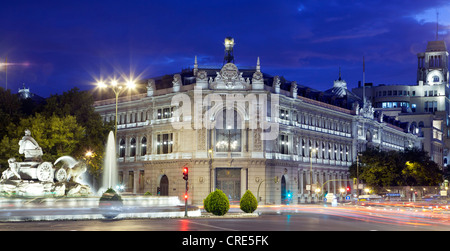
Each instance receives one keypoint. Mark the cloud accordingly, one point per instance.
(354, 35)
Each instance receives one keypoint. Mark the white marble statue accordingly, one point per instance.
(29, 147)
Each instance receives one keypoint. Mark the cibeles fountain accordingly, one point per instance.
(49, 186)
(34, 177)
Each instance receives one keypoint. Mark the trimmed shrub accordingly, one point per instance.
(217, 203)
(206, 203)
(248, 202)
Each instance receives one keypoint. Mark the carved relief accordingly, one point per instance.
(229, 77)
(202, 76)
(257, 143)
(201, 135)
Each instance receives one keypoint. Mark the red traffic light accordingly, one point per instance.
(348, 189)
(185, 173)
(185, 196)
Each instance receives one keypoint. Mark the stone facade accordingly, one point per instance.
(314, 139)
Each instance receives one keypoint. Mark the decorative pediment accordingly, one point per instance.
(229, 78)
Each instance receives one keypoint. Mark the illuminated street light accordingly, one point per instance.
(88, 154)
(118, 88)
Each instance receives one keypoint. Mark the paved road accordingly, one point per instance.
(296, 218)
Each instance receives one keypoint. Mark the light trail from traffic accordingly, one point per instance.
(384, 215)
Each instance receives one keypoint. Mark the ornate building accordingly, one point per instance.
(242, 129)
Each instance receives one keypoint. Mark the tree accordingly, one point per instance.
(80, 104)
(9, 110)
(412, 167)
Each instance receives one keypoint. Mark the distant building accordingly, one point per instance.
(424, 106)
(25, 93)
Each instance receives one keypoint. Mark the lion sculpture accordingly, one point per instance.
(74, 168)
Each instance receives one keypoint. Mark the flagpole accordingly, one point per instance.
(6, 72)
(364, 83)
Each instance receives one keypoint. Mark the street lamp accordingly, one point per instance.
(118, 88)
(88, 154)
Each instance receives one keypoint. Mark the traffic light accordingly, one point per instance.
(348, 189)
(185, 196)
(185, 173)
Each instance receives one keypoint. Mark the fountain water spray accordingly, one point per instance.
(110, 175)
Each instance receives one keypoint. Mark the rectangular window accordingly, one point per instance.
(159, 115)
(165, 113)
(130, 183)
(164, 143)
(284, 114)
(284, 148)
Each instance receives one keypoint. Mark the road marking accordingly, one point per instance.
(206, 225)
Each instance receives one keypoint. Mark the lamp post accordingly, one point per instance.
(118, 88)
(357, 173)
(210, 155)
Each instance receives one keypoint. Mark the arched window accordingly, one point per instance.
(133, 147)
(122, 148)
(228, 131)
(143, 146)
(436, 79)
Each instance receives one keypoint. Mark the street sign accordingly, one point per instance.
(347, 197)
(329, 198)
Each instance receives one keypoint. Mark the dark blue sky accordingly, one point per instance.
(53, 46)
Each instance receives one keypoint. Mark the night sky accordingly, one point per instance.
(53, 46)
